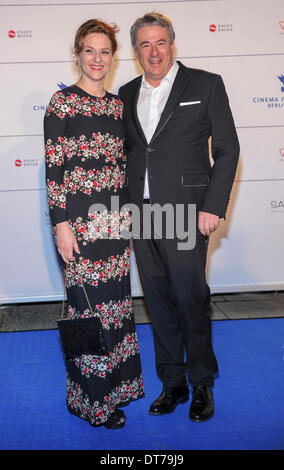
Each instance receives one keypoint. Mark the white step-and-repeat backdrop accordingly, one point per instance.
(243, 40)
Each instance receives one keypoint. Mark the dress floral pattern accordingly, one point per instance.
(85, 165)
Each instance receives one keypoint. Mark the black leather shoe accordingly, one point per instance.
(202, 405)
(168, 400)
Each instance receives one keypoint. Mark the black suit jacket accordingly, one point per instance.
(177, 157)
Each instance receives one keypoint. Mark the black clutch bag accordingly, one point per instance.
(81, 335)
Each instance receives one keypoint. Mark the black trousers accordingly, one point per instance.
(178, 300)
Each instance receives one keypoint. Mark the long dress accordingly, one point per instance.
(85, 166)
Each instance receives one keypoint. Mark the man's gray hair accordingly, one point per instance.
(152, 19)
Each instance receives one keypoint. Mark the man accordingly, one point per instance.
(170, 114)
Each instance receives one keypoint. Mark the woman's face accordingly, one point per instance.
(96, 57)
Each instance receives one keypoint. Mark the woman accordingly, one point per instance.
(85, 165)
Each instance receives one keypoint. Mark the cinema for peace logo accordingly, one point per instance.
(281, 78)
(43, 107)
(61, 86)
(272, 101)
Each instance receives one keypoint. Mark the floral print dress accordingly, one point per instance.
(85, 165)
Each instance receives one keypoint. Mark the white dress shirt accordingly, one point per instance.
(151, 103)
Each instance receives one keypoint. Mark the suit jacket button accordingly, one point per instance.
(150, 150)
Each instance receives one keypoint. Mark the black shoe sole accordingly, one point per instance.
(201, 420)
(179, 402)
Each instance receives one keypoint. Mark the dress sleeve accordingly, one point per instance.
(55, 125)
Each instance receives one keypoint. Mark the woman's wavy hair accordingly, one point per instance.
(95, 26)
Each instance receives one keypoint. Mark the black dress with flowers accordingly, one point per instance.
(85, 165)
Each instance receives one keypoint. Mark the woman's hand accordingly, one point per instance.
(66, 242)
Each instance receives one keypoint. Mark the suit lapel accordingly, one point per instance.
(134, 109)
(181, 81)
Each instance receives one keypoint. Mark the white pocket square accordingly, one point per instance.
(187, 103)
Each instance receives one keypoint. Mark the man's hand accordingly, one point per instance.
(207, 223)
(66, 242)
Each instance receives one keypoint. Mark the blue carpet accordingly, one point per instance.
(249, 409)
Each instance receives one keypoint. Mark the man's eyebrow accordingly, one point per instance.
(148, 42)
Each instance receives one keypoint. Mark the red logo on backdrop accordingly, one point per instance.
(18, 162)
(281, 23)
(212, 28)
(281, 152)
(11, 33)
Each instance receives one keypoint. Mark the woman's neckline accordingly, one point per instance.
(90, 94)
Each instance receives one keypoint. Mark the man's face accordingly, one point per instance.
(155, 52)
